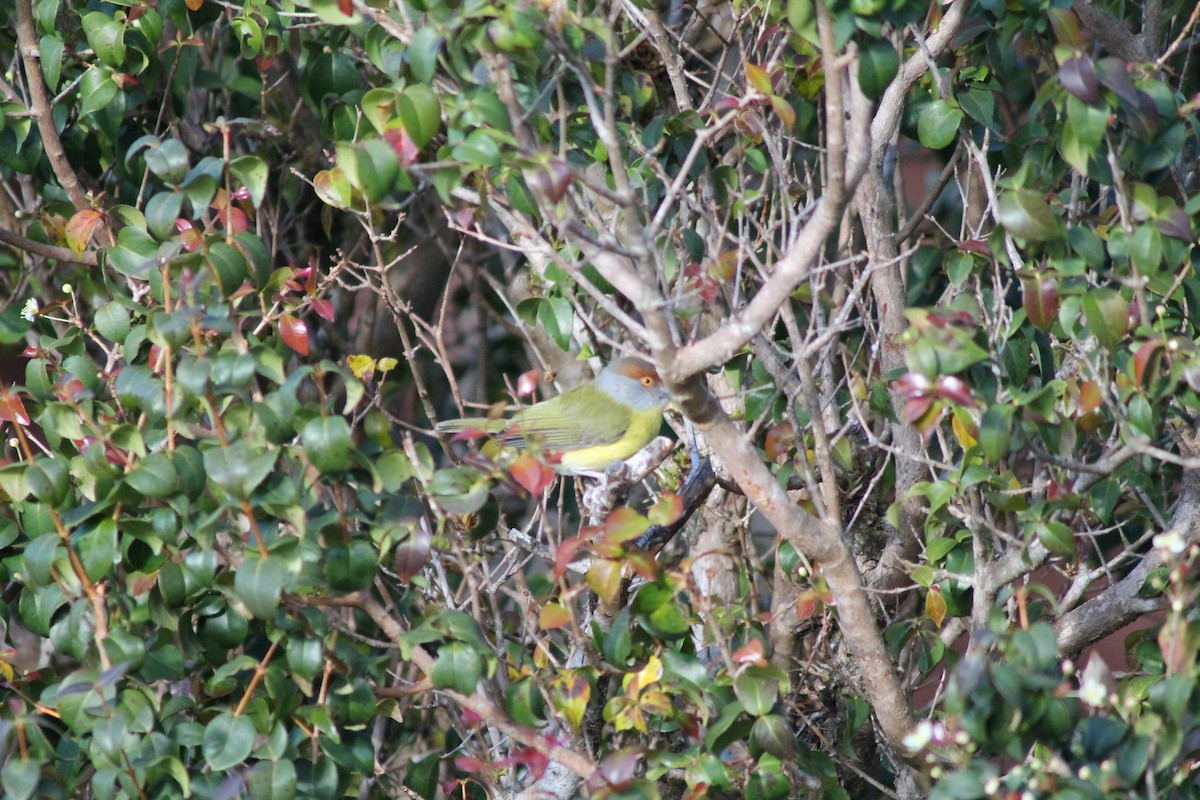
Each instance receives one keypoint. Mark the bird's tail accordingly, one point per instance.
(472, 427)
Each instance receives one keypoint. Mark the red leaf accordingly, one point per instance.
(531, 474)
(913, 384)
(346, 7)
(978, 246)
(565, 554)
(916, 408)
(12, 409)
(527, 382)
(294, 333)
(779, 441)
(642, 562)
(406, 149)
(956, 391)
(413, 553)
(551, 181)
(1039, 296)
(233, 219)
(324, 309)
(189, 237)
(750, 653)
(667, 509)
(1147, 362)
(808, 603)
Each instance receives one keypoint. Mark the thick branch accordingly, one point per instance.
(1116, 38)
(47, 250)
(39, 98)
(820, 540)
(1120, 603)
(802, 252)
(891, 105)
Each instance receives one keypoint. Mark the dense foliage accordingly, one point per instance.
(920, 280)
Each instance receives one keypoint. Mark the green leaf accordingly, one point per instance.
(238, 468)
(97, 549)
(259, 582)
(557, 317)
(458, 667)
(1057, 537)
(96, 90)
(51, 49)
(168, 161)
(479, 149)
(154, 476)
(162, 210)
(371, 167)
(20, 777)
(524, 701)
(350, 567)
(420, 113)
(758, 689)
(272, 780)
(106, 36)
(995, 432)
(1107, 315)
(878, 64)
(252, 172)
(328, 443)
(228, 741)
(938, 124)
(422, 54)
(112, 322)
(1028, 216)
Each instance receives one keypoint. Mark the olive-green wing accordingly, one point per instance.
(547, 425)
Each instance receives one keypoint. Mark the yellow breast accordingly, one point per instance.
(643, 427)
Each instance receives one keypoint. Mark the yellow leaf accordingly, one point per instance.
(963, 429)
(651, 673)
(362, 366)
(935, 606)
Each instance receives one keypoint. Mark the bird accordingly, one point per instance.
(587, 428)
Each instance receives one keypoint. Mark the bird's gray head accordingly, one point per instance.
(633, 381)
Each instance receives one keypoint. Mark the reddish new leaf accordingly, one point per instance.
(527, 382)
(532, 475)
(1039, 295)
(294, 333)
(1147, 362)
(406, 149)
(12, 409)
(324, 308)
(808, 604)
(565, 554)
(413, 554)
(667, 509)
(750, 653)
(80, 228)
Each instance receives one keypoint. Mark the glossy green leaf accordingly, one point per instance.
(938, 124)
(458, 667)
(259, 582)
(228, 741)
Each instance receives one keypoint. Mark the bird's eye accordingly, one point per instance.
(647, 381)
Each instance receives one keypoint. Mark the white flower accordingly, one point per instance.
(67, 289)
(30, 310)
(1170, 541)
(919, 737)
